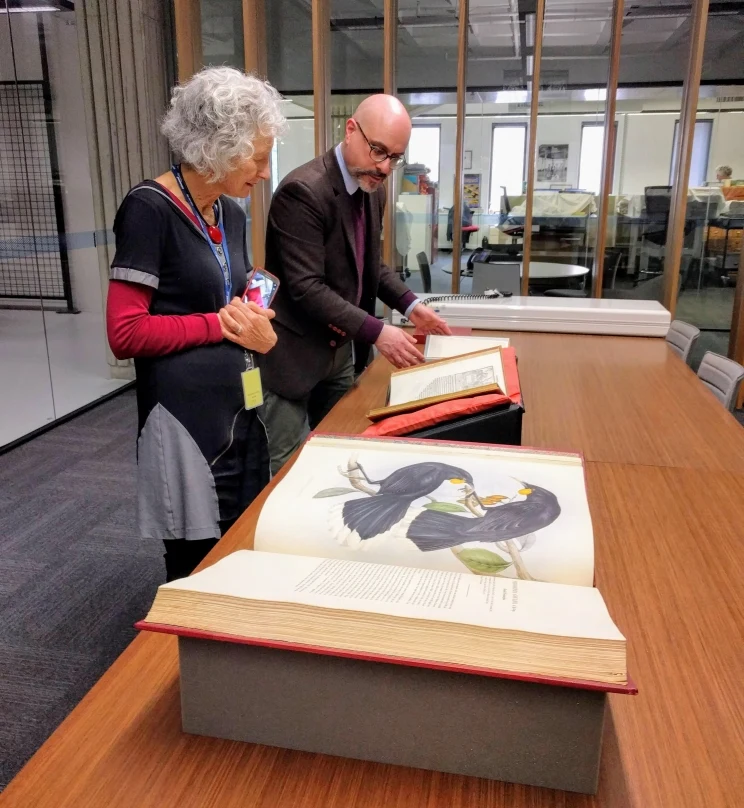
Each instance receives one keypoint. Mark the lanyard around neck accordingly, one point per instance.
(215, 236)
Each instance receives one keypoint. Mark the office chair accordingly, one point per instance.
(504, 277)
(723, 377)
(658, 200)
(658, 203)
(681, 338)
(423, 262)
(505, 204)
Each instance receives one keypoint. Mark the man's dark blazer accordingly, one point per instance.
(310, 248)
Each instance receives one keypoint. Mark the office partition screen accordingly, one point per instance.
(528, 111)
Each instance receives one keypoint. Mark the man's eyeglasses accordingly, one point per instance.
(378, 154)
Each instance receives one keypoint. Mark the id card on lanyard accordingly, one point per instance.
(215, 235)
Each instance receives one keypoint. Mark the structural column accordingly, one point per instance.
(462, 87)
(254, 39)
(390, 86)
(531, 143)
(683, 155)
(321, 25)
(608, 151)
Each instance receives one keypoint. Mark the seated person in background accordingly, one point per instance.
(174, 304)
(724, 174)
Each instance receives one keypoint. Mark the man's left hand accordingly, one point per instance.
(428, 321)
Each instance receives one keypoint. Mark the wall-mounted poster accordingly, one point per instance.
(552, 163)
(472, 190)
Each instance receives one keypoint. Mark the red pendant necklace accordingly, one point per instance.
(214, 233)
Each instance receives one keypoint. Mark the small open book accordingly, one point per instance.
(444, 380)
(438, 346)
(418, 552)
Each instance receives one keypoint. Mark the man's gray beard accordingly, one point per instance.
(363, 175)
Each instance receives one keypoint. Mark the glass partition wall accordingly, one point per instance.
(709, 270)
(427, 47)
(576, 138)
(570, 86)
(53, 350)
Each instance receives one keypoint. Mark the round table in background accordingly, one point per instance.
(543, 271)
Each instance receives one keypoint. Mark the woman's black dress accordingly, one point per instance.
(202, 457)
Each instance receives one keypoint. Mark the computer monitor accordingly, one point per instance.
(504, 277)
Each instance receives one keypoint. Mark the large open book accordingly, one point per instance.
(418, 552)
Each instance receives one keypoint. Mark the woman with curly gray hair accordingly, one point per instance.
(176, 305)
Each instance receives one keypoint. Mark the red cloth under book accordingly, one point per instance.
(449, 410)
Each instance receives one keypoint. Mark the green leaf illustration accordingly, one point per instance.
(445, 507)
(334, 492)
(482, 562)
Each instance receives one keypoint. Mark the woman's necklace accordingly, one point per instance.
(213, 231)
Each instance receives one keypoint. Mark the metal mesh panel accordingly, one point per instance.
(30, 259)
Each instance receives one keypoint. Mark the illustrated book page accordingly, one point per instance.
(489, 510)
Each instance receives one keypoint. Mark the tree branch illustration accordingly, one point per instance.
(355, 475)
(513, 550)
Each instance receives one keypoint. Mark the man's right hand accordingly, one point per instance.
(398, 347)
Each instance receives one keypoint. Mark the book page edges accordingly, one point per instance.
(628, 688)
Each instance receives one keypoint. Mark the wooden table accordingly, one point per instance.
(616, 399)
(665, 479)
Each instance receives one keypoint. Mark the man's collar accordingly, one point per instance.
(352, 186)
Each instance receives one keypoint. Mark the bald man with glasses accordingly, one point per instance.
(323, 243)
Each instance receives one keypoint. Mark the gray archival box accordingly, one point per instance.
(502, 729)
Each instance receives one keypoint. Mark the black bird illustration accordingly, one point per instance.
(379, 512)
(432, 530)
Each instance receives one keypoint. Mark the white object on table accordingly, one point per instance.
(440, 347)
(640, 318)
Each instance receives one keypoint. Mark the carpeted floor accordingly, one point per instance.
(73, 575)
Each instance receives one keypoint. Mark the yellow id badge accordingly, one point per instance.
(252, 389)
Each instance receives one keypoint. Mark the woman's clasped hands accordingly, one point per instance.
(248, 325)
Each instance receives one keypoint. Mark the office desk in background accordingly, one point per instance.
(665, 479)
